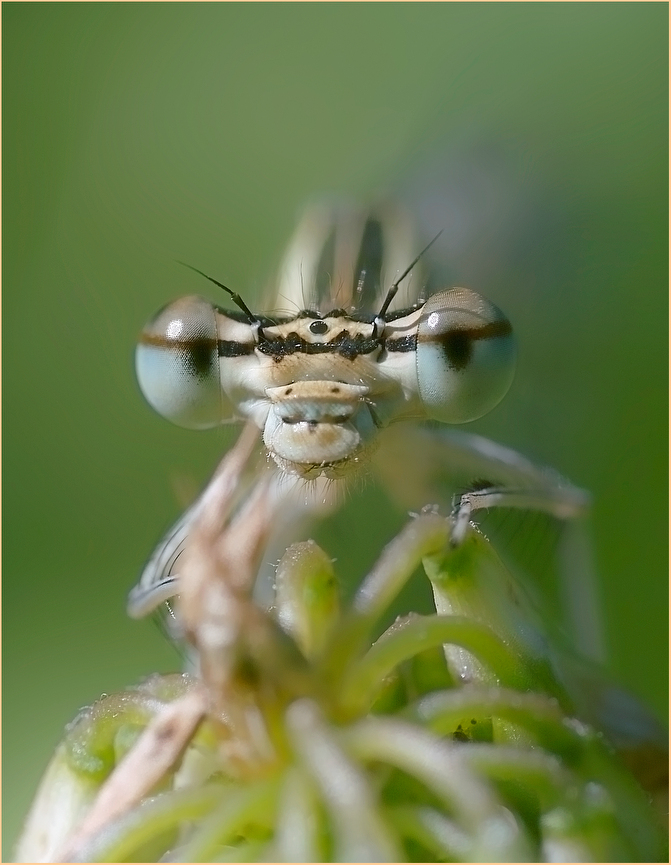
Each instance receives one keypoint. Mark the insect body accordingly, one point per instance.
(328, 383)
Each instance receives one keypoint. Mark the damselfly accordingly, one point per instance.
(334, 381)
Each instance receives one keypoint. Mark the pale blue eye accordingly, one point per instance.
(177, 365)
(465, 356)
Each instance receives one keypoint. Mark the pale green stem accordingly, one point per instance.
(542, 773)
(441, 766)
(579, 746)
(415, 635)
(297, 835)
(307, 596)
(248, 851)
(360, 834)
(149, 820)
(90, 742)
(631, 803)
(424, 536)
(254, 804)
(433, 830)
(538, 714)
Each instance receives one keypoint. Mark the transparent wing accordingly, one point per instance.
(159, 578)
(536, 518)
(301, 502)
(344, 256)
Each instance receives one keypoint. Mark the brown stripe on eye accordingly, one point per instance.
(160, 340)
(198, 345)
(457, 343)
(196, 354)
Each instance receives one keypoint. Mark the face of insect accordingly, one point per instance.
(362, 350)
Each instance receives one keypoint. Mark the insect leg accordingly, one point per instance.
(560, 502)
(159, 580)
(437, 460)
(296, 501)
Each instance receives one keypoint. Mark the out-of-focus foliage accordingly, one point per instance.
(452, 738)
(134, 134)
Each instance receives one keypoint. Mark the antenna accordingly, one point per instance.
(237, 300)
(391, 294)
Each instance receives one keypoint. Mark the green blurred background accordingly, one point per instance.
(135, 134)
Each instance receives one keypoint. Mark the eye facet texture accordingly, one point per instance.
(465, 356)
(177, 365)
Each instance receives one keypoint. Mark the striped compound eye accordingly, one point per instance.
(465, 356)
(177, 365)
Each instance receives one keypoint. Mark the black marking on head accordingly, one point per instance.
(319, 327)
(401, 313)
(231, 348)
(362, 317)
(403, 343)
(345, 344)
(264, 320)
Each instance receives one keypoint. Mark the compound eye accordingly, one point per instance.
(465, 356)
(177, 365)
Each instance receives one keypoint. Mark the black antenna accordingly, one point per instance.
(237, 300)
(391, 294)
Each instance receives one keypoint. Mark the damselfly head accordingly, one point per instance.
(362, 351)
